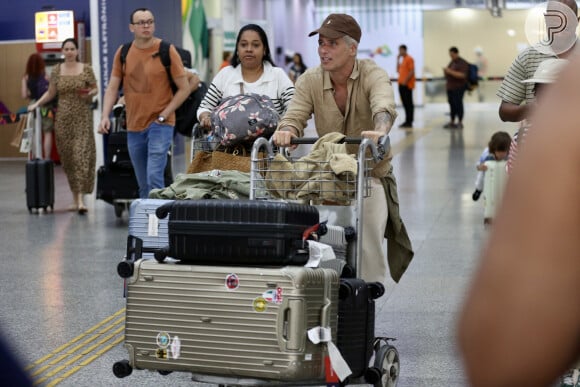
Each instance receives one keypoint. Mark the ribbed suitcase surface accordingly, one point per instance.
(493, 186)
(145, 225)
(39, 184)
(229, 321)
(238, 232)
(356, 324)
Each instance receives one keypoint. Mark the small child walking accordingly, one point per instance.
(497, 150)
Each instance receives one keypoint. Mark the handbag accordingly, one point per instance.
(23, 137)
(225, 159)
(20, 126)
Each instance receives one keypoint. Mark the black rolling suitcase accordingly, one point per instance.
(116, 179)
(237, 232)
(356, 323)
(113, 184)
(39, 173)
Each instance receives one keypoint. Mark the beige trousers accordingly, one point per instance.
(375, 213)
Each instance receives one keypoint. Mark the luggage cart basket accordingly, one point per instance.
(338, 196)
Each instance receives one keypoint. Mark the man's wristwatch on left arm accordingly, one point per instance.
(161, 119)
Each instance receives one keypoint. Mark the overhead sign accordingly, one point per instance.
(54, 26)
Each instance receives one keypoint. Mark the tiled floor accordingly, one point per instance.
(61, 304)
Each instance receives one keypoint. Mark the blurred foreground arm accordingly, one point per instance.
(520, 325)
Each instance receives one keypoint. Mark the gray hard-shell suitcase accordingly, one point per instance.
(229, 321)
(145, 225)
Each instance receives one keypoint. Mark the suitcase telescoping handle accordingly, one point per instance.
(37, 134)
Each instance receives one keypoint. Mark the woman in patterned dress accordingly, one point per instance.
(75, 84)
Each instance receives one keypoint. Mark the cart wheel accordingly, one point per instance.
(119, 208)
(376, 289)
(164, 372)
(122, 369)
(160, 255)
(125, 269)
(387, 361)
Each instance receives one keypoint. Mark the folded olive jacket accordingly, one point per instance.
(215, 184)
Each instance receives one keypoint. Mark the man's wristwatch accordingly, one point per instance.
(161, 119)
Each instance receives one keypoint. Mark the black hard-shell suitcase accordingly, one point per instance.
(356, 322)
(117, 151)
(39, 184)
(238, 232)
(39, 172)
(116, 179)
(116, 183)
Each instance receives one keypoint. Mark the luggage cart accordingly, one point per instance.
(118, 186)
(342, 198)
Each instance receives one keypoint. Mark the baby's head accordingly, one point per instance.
(547, 72)
(499, 145)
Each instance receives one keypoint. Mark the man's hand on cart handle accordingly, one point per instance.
(373, 135)
(283, 137)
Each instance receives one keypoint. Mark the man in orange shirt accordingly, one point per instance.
(406, 70)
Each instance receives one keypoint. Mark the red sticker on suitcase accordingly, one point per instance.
(273, 296)
(232, 282)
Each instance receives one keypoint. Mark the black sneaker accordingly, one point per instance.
(476, 195)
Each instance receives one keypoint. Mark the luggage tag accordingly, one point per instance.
(331, 376)
(153, 225)
(337, 363)
(319, 252)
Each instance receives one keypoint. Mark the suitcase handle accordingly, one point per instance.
(162, 211)
(293, 325)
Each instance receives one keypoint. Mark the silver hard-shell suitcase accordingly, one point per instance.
(493, 186)
(230, 321)
(145, 225)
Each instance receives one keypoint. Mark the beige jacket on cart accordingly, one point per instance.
(283, 180)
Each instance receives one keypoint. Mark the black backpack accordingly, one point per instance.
(472, 77)
(185, 115)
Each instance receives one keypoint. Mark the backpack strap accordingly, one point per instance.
(163, 55)
(124, 51)
(166, 61)
(123, 58)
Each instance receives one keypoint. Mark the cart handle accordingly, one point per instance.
(378, 151)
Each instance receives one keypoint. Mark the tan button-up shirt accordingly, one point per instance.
(369, 92)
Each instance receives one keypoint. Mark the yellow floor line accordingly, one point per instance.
(57, 361)
(79, 337)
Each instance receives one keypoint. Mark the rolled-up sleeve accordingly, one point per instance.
(301, 105)
(381, 95)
